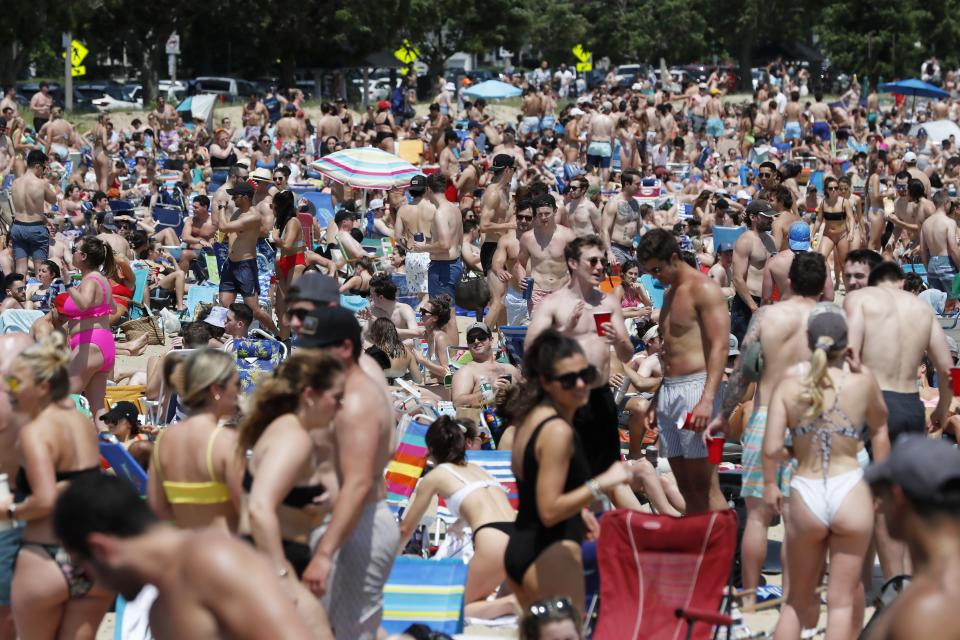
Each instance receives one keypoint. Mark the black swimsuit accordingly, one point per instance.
(296, 553)
(532, 536)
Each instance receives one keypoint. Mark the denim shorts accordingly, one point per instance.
(443, 277)
(9, 547)
(30, 240)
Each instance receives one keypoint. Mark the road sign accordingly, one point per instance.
(582, 54)
(78, 71)
(584, 67)
(78, 53)
(407, 53)
(173, 44)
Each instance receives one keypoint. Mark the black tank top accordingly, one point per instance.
(527, 515)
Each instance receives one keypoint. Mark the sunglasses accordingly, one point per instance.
(595, 260)
(766, 175)
(527, 218)
(833, 188)
(299, 314)
(550, 607)
(569, 380)
(900, 186)
(477, 337)
(278, 178)
(427, 312)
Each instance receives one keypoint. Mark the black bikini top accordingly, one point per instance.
(23, 484)
(298, 497)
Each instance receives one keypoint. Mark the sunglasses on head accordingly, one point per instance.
(569, 380)
(549, 607)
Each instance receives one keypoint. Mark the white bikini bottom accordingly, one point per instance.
(823, 497)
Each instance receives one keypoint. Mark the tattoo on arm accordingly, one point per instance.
(736, 385)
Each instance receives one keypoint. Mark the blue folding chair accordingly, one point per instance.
(322, 202)
(428, 592)
(118, 206)
(654, 288)
(915, 267)
(168, 217)
(200, 294)
(123, 463)
(137, 308)
(512, 339)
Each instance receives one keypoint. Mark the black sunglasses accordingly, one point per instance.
(550, 607)
(569, 380)
(766, 175)
(477, 337)
(299, 314)
(520, 217)
(594, 260)
(427, 312)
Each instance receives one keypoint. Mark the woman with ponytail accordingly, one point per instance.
(194, 476)
(290, 478)
(476, 497)
(51, 596)
(826, 408)
(86, 309)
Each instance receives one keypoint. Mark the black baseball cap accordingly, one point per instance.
(242, 188)
(418, 183)
(502, 161)
(326, 326)
(924, 468)
(315, 287)
(120, 410)
(762, 208)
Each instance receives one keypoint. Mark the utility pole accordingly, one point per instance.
(67, 72)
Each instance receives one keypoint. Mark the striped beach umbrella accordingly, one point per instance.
(366, 168)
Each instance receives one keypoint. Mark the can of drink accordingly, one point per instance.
(528, 291)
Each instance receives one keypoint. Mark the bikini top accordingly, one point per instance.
(210, 492)
(23, 484)
(833, 422)
(835, 216)
(298, 497)
(455, 501)
(102, 310)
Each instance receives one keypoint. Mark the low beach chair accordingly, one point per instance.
(654, 288)
(428, 592)
(408, 461)
(512, 340)
(660, 575)
(256, 359)
(123, 463)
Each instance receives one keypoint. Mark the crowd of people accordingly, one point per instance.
(773, 273)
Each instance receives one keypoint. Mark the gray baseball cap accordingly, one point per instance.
(924, 468)
(315, 287)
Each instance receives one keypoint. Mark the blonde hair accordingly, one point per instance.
(280, 394)
(203, 369)
(48, 361)
(819, 377)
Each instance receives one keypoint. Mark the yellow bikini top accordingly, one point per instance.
(211, 492)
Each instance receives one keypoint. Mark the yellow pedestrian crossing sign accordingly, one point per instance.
(584, 59)
(78, 71)
(407, 53)
(78, 53)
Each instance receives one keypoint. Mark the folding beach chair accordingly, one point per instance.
(497, 464)
(123, 463)
(428, 592)
(512, 340)
(322, 202)
(168, 217)
(256, 359)
(411, 150)
(408, 461)
(654, 288)
(200, 294)
(134, 393)
(660, 575)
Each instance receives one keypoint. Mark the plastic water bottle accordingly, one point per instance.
(5, 495)
(486, 390)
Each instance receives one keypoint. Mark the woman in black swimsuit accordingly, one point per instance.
(51, 596)
(835, 218)
(553, 477)
(287, 443)
(385, 126)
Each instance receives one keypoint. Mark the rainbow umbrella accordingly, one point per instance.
(366, 168)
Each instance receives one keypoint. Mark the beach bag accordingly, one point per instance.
(132, 329)
(472, 292)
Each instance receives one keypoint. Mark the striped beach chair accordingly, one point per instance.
(428, 592)
(512, 339)
(408, 461)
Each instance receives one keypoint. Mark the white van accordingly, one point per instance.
(230, 89)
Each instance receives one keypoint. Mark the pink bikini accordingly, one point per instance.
(102, 338)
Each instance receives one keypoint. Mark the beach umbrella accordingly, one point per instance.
(492, 90)
(366, 168)
(914, 87)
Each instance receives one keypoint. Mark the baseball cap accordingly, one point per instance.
(702, 85)
(502, 161)
(952, 346)
(315, 287)
(922, 467)
(449, 87)
(799, 236)
(733, 346)
(723, 247)
(108, 221)
(478, 326)
(217, 317)
(376, 203)
(742, 195)
(383, 104)
(418, 183)
(120, 410)
(242, 188)
(326, 326)
(827, 327)
(576, 111)
(761, 207)
(910, 157)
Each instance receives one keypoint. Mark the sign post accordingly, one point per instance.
(67, 71)
(173, 50)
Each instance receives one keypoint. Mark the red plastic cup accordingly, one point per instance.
(615, 268)
(955, 380)
(715, 449)
(599, 318)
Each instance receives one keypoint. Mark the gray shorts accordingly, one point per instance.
(30, 240)
(677, 397)
(354, 600)
(940, 274)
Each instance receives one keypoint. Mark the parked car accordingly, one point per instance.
(229, 89)
(629, 74)
(81, 102)
(117, 99)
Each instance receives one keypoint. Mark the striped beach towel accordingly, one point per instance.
(408, 462)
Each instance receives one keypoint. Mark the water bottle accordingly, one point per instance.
(486, 390)
(4, 496)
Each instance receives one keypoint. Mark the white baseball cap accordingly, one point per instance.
(910, 157)
(576, 112)
(376, 203)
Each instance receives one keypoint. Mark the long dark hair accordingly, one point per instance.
(284, 209)
(549, 347)
(447, 440)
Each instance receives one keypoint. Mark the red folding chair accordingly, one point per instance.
(659, 575)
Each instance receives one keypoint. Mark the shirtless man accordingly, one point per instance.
(890, 330)
(820, 116)
(509, 147)
(857, 268)
(778, 335)
(714, 113)
(750, 254)
(383, 304)
(355, 550)
(40, 104)
(329, 125)
(108, 232)
(722, 270)
(695, 328)
(466, 389)
(7, 151)
(938, 246)
(781, 199)
(531, 109)
(413, 225)
(582, 216)
(570, 310)
(9, 100)
(447, 162)
(291, 131)
(166, 115)
(599, 142)
(254, 116)
(28, 233)
(495, 218)
(199, 231)
(910, 210)
(222, 202)
(910, 160)
(776, 273)
(505, 289)
(446, 239)
(11, 345)
(209, 583)
(917, 490)
(542, 248)
(239, 272)
(792, 115)
(621, 219)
